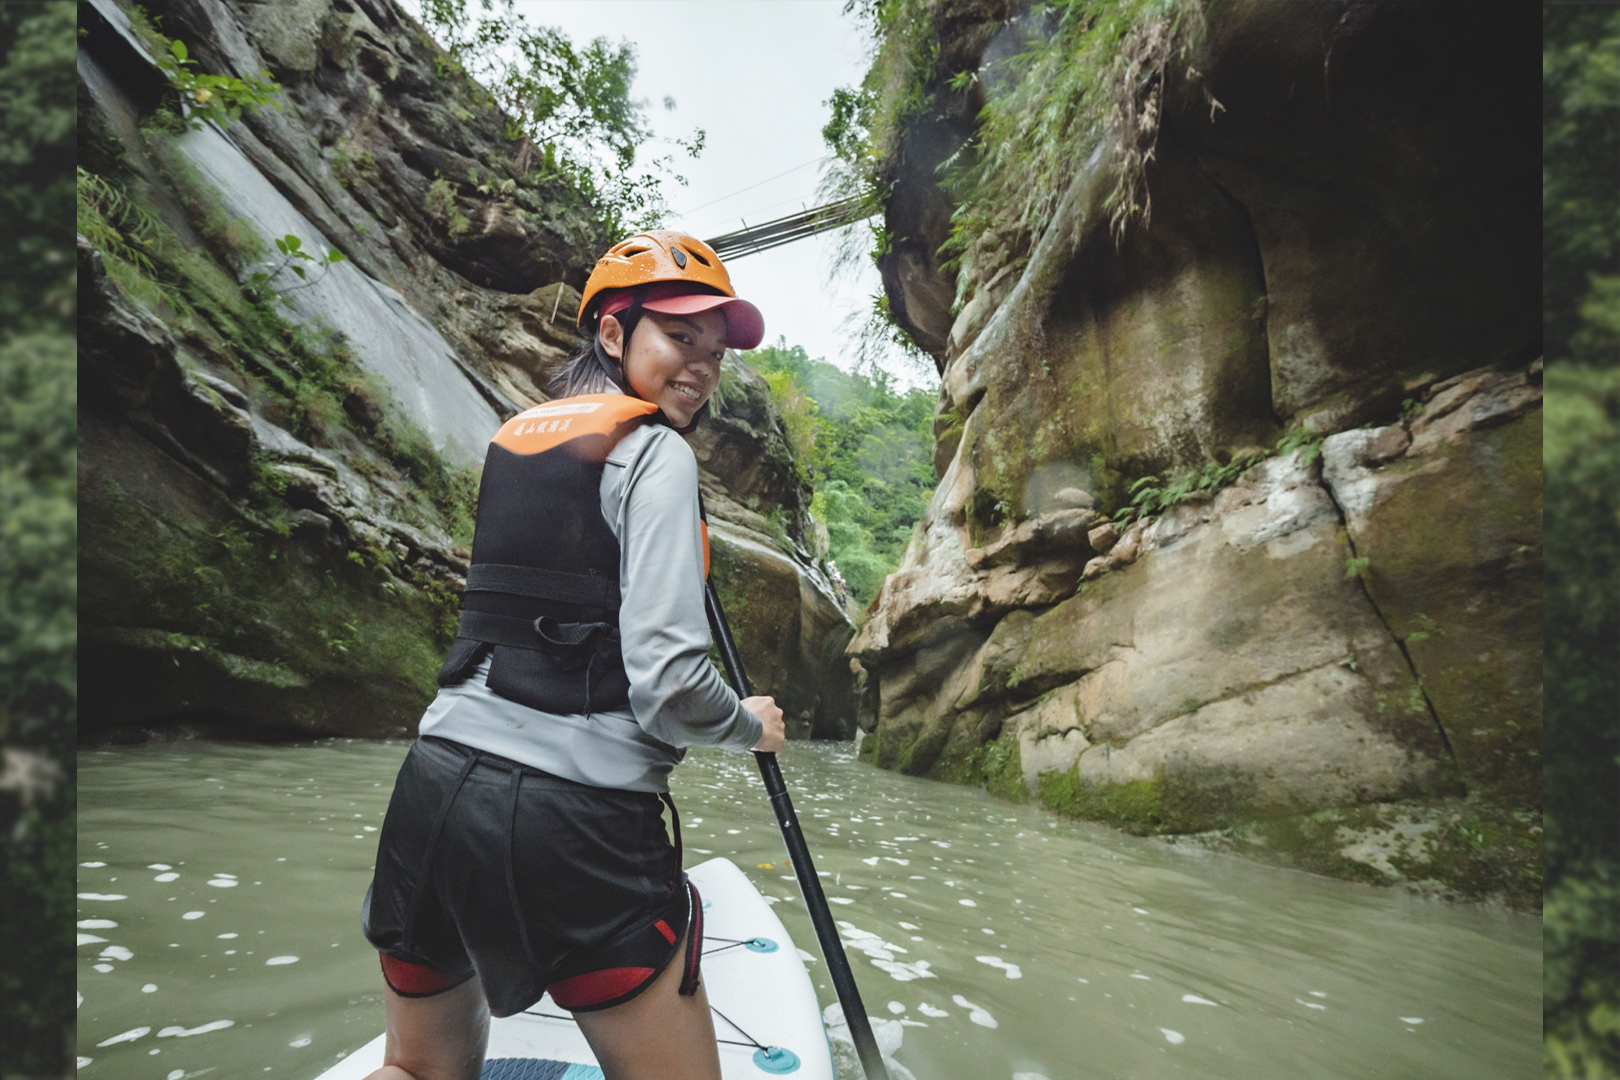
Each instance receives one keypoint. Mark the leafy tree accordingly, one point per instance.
(570, 105)
(1581, 305)
(38, 533)
(1580, 186)
(866, 447)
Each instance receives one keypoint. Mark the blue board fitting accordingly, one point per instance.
(776, 1059)
(760, 944)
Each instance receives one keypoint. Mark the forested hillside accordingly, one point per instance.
(867, 448)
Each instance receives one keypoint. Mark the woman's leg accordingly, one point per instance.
(442, 1037)
(658, 1034)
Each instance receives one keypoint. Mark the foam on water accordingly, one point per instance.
(178, 1032)
(977, 1014)
(125, 1036)
(1013, 971)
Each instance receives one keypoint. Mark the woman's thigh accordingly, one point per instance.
(656, 1035)
(442, 1037)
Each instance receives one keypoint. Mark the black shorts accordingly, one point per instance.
(490, 868)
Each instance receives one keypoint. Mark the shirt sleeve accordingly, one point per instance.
(676, 695)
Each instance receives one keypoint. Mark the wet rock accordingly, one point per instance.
(1451, 531)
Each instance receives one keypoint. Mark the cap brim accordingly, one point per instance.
(745, 326)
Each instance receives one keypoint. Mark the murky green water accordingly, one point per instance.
(220, 889)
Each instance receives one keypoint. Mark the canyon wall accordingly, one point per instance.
(1238, 536)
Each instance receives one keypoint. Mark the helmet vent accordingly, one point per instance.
(700, 258)
(678, 255)
(629, 252)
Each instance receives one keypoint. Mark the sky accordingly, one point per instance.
(755, 75)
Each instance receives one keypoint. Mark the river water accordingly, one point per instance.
(219, 892)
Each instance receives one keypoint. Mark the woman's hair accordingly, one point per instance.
(592, 370)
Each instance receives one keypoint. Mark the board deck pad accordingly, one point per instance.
(767, 1020)
(537, 1069)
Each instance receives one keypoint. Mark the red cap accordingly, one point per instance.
(745, 326)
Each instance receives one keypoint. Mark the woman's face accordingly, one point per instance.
(674, 360)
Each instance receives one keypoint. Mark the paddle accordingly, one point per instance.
(860, 1028)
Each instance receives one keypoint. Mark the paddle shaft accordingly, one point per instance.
(860, 1028)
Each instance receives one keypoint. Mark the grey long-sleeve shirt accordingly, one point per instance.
(677, 699)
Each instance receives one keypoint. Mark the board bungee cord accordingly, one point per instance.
(832, 947)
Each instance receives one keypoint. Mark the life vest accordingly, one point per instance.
(543, 588)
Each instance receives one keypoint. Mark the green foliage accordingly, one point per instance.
(569, 104)
(1356, 567)
(798, 410)
(38, 532)
(1150, 496)
(1580, 201)
(862, 135)
(37, 154)
(1581, 747)
(1087, 76)
(262, 282)
(114, 223)
(440, 203)
(866, 448)
(1582, 734)
(220, 98)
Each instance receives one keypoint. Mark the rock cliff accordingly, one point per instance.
(1238, 536)
(277, 476)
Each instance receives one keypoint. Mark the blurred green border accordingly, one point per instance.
(1581, 304)
(38, 531)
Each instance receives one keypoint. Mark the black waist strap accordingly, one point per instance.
(544, 634)
(499, 630)
(595, 590)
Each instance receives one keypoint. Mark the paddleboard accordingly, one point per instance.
(766, 1018)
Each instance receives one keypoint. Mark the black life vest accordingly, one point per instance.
(543, 588)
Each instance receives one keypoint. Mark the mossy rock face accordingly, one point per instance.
(1184, 301)
(191, 616)
(1453, 543)
(1453, 849)
(917, 702)
(974, 761)
(790, 634)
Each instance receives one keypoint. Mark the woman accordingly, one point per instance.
(524, 847)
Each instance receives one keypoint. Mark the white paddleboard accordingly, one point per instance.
(766, 1017)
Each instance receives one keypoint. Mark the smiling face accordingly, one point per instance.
(674, 360)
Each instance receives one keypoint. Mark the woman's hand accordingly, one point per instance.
(771, 717)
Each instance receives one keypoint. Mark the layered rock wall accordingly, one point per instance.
(1332, 656)
(265, 550)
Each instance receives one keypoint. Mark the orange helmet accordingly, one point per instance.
(672, 260)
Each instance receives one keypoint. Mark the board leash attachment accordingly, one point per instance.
(832, 947)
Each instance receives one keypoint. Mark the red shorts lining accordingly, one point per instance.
(597, 988)
(417, 980)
